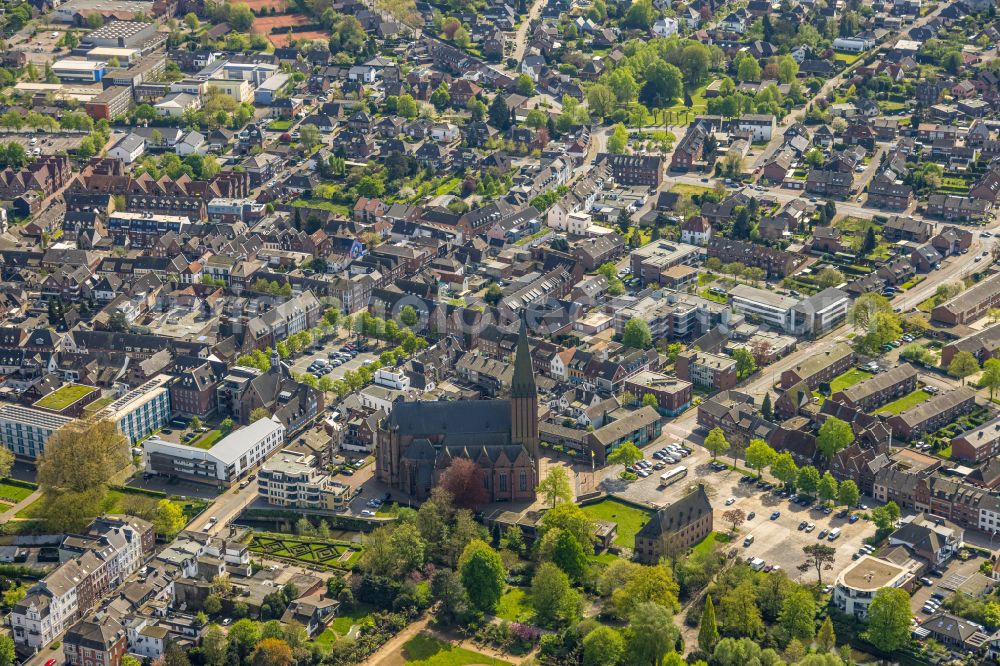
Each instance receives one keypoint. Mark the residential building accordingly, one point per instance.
(707, 370)
(291, 480)
(774, 262)
(99, 640)
(764, 306)
(675, 527)
(227, 461)
(932, 414)
(650, 261)
(971, 304)
(984, 345)
(876, 391)
(857, 584)
(111, 104)
(979, 444)
(820, 368)
(672, 395)
(633, 169)
(819, 313)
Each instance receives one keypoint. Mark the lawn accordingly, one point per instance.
(712, 296)
(321, 204)
(424, 650)
(120, 501)
(707, 545)
(343, 623)
(208, 439)
(14, 493)
(280, 125)
(514, 606)
(849, 378)
(629, 519)
(99, 404)
(689, 190)
(945, 452)
(337, 554)
(904, 403)
(847, 58)
(64, 396)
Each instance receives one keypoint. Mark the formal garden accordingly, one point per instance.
(333, 554)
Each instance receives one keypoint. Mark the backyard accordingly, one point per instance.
(848, 379)
(904, 403)
(514, 605)
(629, 519)
(336, 554)
(424, 650)
(207, 440)
(341, 625)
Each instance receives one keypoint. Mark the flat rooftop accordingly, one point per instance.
(871, 573)
(763, 296)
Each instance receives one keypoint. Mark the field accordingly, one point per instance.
(629, 519)
(270, 6)
(514, 606)
(689, 190)
(284, 39)
(265, 25)
(64, 396)
(335, 554)
(424, 650)
(904, 403)
(849, 378)
(847, 58)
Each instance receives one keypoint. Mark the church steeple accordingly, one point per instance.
(524, 401)
(523, 382)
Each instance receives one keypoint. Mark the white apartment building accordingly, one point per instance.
(228, 460)
(857, 584)
(820, 312)
(289, 480)
(24, 431)
(142, 410)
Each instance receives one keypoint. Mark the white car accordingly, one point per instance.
(730, 501)
(368, 513)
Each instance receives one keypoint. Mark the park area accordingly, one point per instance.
(13, 491)
(334, 554)
(425, 650)
(629, 519)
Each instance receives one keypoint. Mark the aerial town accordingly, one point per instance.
(508, 332)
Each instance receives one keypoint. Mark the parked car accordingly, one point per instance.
(774, 516)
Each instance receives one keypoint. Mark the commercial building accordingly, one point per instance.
(142, 410)
(290, 480)
(820, 312)
(768, 307)
(819, 368)
(111, 104)
(880, 389)
(651, 261)
(707, 370)
(676, 527)
(228, 460)
(269, 89)
(121, 34)
(239, 90)
(928, 416)
(24, 431)
(79, 71)
(857, 584)
(670, 314)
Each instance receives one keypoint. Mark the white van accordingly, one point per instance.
(757, 564)
(834, 534)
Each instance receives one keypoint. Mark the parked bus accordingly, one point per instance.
(674, 475)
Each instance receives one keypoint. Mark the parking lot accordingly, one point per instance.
(302, 363)
(47, 143)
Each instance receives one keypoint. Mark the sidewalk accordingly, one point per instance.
(12, 511)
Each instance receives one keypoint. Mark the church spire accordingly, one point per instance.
(523, 382)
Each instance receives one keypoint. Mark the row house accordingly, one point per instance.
(892, 194)
(46, 175)
(876, 391)
(932, 414)
(958, 209)
(736, 415)
(971, 304)
(774, 262)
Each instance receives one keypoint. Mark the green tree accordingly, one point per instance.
(708, 632)
(555, 486)
(766, 408)
(604, 646)
(664, 84)
(482, 575)
(169, 519)
(748, 69)
(991, 375)
(785, 469)
(499, 113)
(759, 455)
(568, 555)
(826, 639)
(309, 136)
(889, 619)
(745, 363)
(716, 442)
(226, 426)
(601, 100)
(618, 141)
(962, 365)
(524, 85)
(834, 435)
(626, 454)
(191, 21)
(820, 557)
(649, 400)
(636, 334)
(798, 615)
(739, 612)
(651, 635)
(885, 517)
(243, 636)
(551, 595)
(807, 480)
(441, 98)
(848, 494)
(645, 584)
(568, 516)
(7, 654)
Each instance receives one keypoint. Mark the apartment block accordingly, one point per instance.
(876, 391)
(978, 445)
(971, 304)
(764, 306)
(932, 414)
(141, 411)
(708, 370)
(24, 431)
(820, 368)
(672, 395)
(651, 261)
(290, 480)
